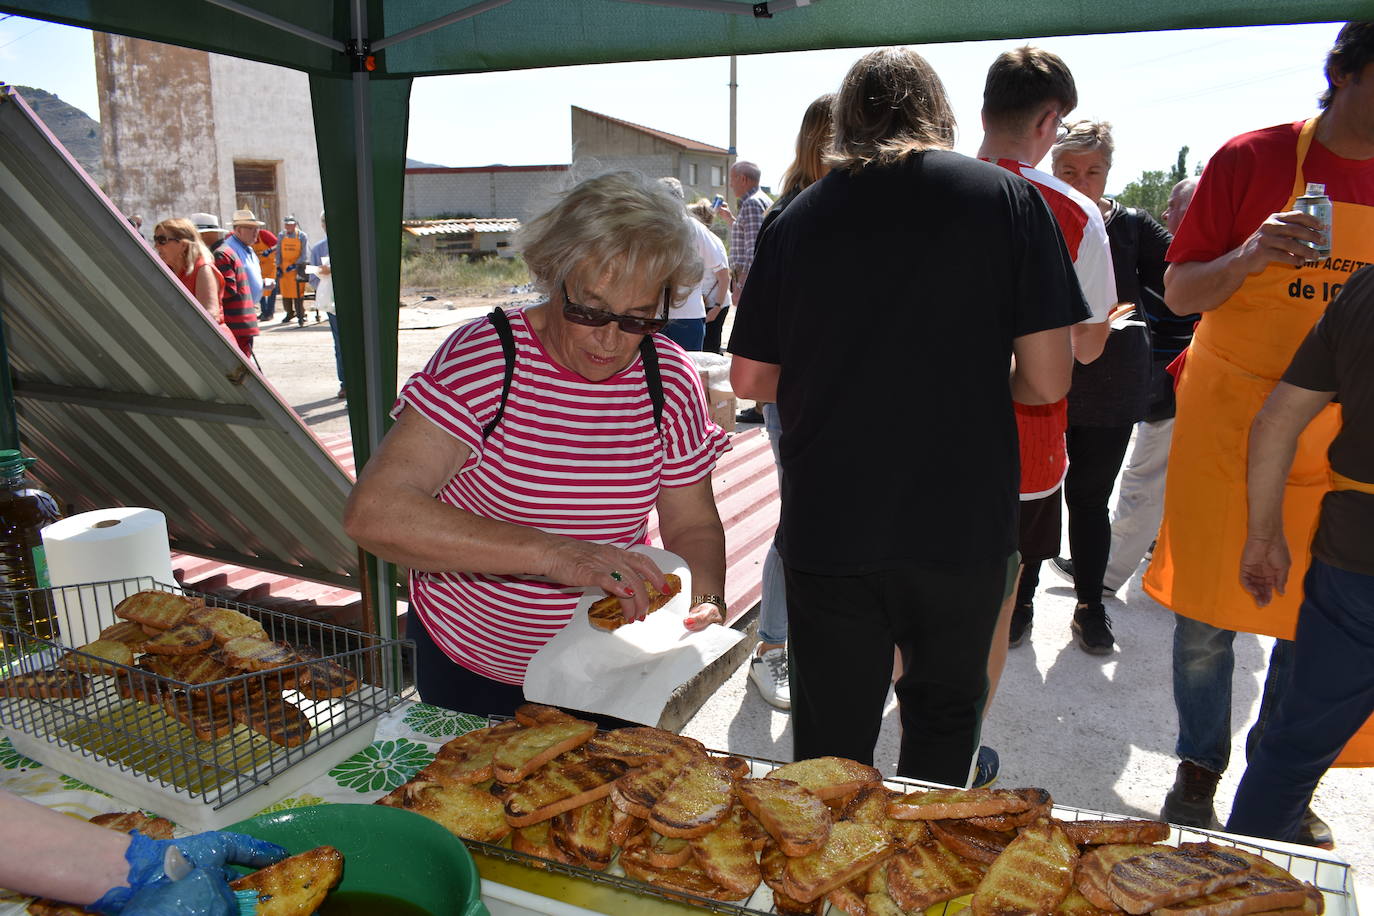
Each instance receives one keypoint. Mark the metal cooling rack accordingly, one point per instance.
(1331, 877)
(143, 741)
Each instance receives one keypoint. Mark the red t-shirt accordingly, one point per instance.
(1251, 177)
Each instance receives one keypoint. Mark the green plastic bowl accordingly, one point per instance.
(386, 851)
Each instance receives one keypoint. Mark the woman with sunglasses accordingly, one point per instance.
(506, 501)
(178, 243)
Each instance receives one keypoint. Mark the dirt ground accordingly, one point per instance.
(1098, 731)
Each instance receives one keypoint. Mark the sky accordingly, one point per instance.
(1160, 91)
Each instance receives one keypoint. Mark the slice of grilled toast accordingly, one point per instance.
(537, 840)
(208, 719)
(1031, 877)
(851, 897)
(1095, 865)
(929, 873)
(637, 746)
(182, 639)
(773, 867)
(971, 841)
(869, 806)
(467, 759)
(640, 789)
(104, 654)
(626, 829)
(528, 715)
(1269, 887)
(524, 751)
(464, 811)
(939, 804)
(47, 685)
(696, 801)
(1103, 832)
(666, 851)
(1040, 807)
(1158, 879)
(607, 614)
(688, 878)
(794, 817)
(225, 624)
(727, 853)
(127, 632)
(277, 720)
(585, 833)
(249, 653)
(160, 610)
(157, 828)
(295, 886)
(572, 779)
(850, 850)
(1075, 904)
(828, 777)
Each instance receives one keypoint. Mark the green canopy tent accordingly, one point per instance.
(361, 56)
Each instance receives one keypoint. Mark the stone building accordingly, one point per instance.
(599, 143)
(184, 131)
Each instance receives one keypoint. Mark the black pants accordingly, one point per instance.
(442, 683)
(1095, 456)
(842, 630)
(713, 331)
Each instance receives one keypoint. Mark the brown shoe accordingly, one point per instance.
(1189, 802)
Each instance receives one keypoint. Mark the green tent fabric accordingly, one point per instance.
(363, 54)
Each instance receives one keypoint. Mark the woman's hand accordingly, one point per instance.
(617, 572)
(702, 616)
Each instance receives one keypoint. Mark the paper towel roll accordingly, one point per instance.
(99, 546)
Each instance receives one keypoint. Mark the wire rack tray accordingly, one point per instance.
(125, 723)
(1332, 877)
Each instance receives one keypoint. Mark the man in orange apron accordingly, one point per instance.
(292, 250)
(1259, 297)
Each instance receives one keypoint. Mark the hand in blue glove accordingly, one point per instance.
(185, 875)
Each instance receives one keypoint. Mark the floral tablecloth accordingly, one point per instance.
(407, 738)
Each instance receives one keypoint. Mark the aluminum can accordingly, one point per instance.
(716, 202)
(1316, 204)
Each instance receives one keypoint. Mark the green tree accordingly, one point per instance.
(1150, 192)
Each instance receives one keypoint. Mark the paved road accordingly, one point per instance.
(1097, 732)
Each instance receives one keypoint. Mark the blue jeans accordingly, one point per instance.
(1329, 695)
(773, 604)
(268, 303)
(1204, 662)
(338, 354)
(687, 333)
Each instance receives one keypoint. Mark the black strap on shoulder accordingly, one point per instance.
(647, 352)
(499, 321)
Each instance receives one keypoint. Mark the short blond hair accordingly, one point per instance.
(1086, 136)
(619, 225)
(890, 104)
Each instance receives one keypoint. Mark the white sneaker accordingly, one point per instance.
(769, 674)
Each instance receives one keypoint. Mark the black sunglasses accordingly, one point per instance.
(595, 318)
(162, 239)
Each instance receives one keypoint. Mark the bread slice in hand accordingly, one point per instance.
(295, 886)
(607, 614)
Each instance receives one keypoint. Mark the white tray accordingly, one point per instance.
(194, 814)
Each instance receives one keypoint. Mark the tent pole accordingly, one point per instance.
(423, 28)
(267, 19)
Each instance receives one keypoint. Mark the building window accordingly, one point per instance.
(717, 176)
(692, 173)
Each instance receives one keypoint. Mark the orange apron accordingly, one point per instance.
(1239, 352)
(287, 255)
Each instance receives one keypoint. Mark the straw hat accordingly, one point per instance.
(246, 218)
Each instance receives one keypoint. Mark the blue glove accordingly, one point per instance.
(195, 861)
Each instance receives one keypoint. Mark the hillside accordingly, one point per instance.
(76, 130)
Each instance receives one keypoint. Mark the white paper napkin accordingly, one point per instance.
(631, 672)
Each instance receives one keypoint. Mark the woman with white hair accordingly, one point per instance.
(519, 474)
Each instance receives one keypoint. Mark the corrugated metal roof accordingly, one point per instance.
(457, 226)
(128, 395)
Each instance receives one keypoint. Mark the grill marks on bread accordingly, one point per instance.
(798, 821)
(1157, 879)
(828, 777)
(528, 749)
(696, 801)
(939, 804)
(850, 849)
(159, 610)
(1032, 876)
(575, 779)
(607, 614)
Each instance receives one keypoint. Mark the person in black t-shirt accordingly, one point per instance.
(885, 306)
(1330, 691)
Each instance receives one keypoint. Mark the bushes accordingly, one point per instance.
(430, 270)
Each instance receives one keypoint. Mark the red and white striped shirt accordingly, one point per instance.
(570, 456)
(1044, 461)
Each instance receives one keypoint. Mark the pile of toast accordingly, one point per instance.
(165, 645)
(293, 887)
(698, 825)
